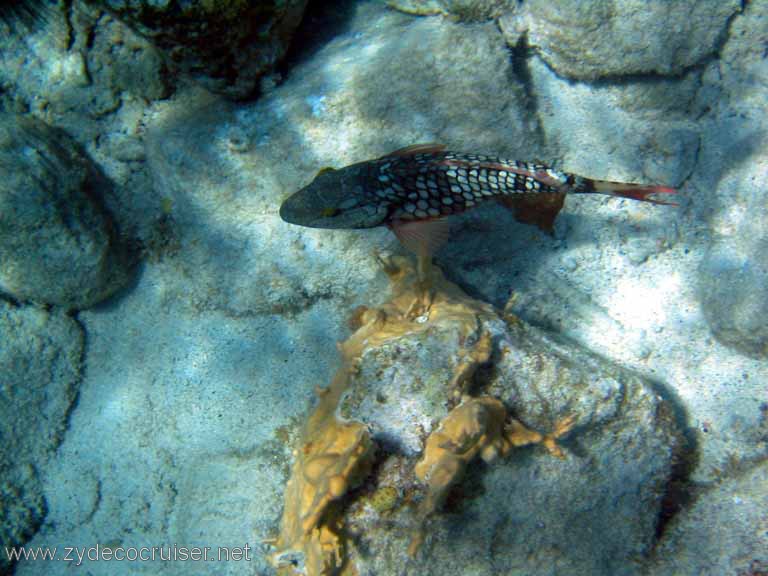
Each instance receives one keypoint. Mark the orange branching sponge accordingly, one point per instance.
(471, 357)
(473, 428)
(337, 454)
(519, 435)
(393, 319)
(334, 458)
(476, 427)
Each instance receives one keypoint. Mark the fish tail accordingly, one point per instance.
(641, 192)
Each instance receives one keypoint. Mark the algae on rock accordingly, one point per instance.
(456, 418)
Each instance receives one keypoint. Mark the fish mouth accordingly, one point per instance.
(293, 211)
(287, 211)
(297, 210)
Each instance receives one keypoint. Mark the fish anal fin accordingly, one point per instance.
(418, 149)
(423, 237)
(541, 210)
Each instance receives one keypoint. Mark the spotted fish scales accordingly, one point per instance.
(445, 183)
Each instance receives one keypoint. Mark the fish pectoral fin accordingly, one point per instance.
(539, 209)
(424, 237)
(418, 149)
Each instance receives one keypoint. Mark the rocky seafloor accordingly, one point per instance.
(180, 367)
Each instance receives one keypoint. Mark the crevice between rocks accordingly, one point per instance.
(694, 164)
(725, 32)
(8, 299)
(521, 68)
(679, 491)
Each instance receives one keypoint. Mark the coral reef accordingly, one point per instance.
(336, 454)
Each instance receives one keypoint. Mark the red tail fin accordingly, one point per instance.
(640, 192)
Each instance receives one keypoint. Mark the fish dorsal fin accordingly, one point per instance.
(537, 209)
(418, 149)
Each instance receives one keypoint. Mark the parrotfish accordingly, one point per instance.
(414, 189)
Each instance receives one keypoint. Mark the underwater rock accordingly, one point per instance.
(119, 61)
(22, 510)
(592, 513)
(744, 52)
(40, 364)
(20, 15)
(733, 274)
(733, 286)
(226, 46)
(724, 532)
(466, 10)
(421, 382)
(591, 39)
(57, 244)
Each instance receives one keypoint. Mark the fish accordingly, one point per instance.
(415, 189)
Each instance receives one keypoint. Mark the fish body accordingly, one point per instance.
(425, 182)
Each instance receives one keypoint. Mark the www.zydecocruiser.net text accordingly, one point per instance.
(78, 555)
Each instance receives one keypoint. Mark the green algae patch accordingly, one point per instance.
(384, 499)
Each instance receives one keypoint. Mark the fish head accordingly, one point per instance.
(335, 199)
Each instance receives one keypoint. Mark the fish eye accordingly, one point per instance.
(324, 171)
(329, 212)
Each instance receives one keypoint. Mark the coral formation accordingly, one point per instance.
(218, 341)
(476, 427)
